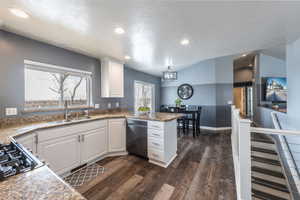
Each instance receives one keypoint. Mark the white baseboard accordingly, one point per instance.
(215, 128)
(163, 164)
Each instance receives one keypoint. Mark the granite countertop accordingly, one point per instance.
(42, 183)
(157, 116)
(7, 133)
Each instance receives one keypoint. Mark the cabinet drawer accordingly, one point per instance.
(155, 133)
(156, 125)
(156, 154)
(155, 143)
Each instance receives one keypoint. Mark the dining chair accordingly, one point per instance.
(180, 121)
(198, 119)
(195, 120)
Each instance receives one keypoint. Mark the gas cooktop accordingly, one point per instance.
(15, 159)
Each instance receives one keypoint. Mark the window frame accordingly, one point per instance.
(152, 98)
(38, 66)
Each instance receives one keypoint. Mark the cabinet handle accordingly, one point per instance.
(78, 138)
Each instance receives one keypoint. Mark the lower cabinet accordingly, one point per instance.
(117, 135)
(94, 144)
(62, 154)
(67, 147)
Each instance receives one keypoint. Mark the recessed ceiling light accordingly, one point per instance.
(127, 57)
(19, 13)
(185, 42)
(244, 55)
(119, 30)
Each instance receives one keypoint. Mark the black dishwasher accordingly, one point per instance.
(136, 137)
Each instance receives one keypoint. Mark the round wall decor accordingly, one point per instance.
(185, 91)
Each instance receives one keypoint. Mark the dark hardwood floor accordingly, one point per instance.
(203, 169)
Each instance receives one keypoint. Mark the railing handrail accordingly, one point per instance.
(270, 131)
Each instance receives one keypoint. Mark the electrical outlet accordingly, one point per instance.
(97, 105)
(11, 111)
(109, 105)
(229, 102)
(117, 104)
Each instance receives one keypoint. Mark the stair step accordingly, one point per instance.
(265, 196)
(267, 172)
(264, 155)
(262, 150)
(266, 160)
(268, 177)
(259, 189)
(268, 183)
(269, 141)
(263, 145)
(267, 166)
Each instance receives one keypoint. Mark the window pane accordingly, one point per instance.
(144, 95)
(46, 89)
(76, 90)
(41, 89)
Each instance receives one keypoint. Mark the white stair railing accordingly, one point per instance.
(241, 151)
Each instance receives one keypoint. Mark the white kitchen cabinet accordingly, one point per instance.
(68, 146)
(93, 144)
(116, 135)
(112, 79)
(28, 141)
(62, 154)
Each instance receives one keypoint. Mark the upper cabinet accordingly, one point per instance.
(112, 79)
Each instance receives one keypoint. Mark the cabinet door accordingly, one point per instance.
(28, 141)
(116, 76)
(117, 135)
(63, 154)
(93, 144)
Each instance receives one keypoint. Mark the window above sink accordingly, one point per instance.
(48, 86)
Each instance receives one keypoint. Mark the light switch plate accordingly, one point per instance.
(11, 111)
(229, 102)
(97, 105)
(109, 105)
(117, 104)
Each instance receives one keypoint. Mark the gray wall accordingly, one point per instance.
(212, 82)
(14, 49)
(276, 67)
(293, 74)
(293, 106)
(268, 67)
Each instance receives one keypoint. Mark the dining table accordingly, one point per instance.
(188, 111)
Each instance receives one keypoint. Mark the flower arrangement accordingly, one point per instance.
(144, 109)
(178, 102)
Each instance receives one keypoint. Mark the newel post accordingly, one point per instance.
(245, 158)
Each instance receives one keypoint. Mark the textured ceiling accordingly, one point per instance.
(153, 29)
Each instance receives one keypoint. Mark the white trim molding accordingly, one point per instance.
(39, 65)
